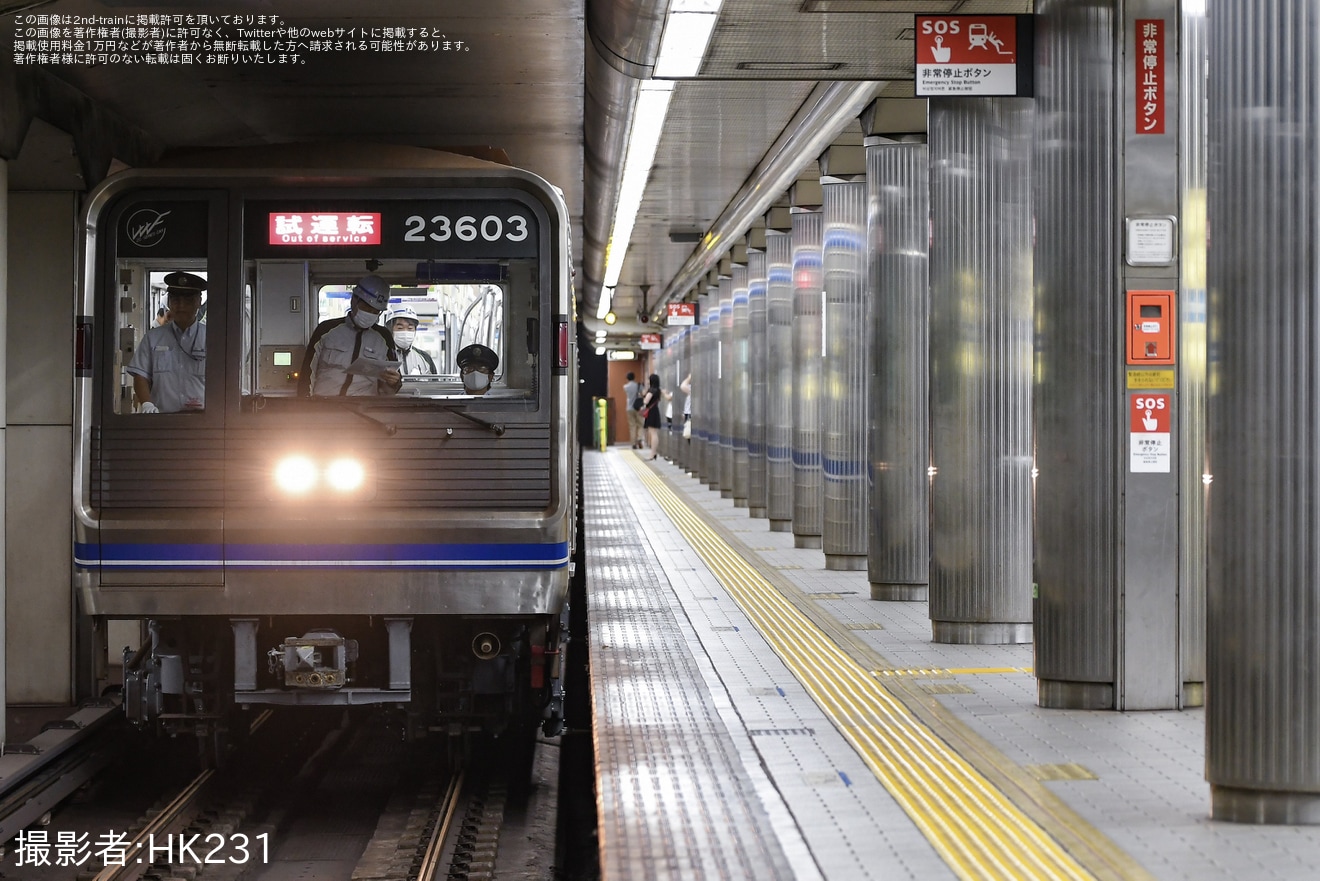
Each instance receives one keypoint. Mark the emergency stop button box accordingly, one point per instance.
(1151, 327)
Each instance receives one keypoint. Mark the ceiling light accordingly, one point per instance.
(648, 124)
(683, 44)
(610, 318)
(600, 350)
(606, 297)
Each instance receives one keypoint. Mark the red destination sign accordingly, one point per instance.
(1150, 76)
(650, 341)
(324, 228)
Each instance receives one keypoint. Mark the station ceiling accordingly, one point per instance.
(521, 83)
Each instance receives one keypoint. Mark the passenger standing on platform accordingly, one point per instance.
(355, 341)
(632, 390)
(686, 388)
(651, 399)
(403, 325)
(169, 366)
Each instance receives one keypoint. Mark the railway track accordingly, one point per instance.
(342, 799)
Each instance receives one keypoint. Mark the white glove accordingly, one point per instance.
(148, 407)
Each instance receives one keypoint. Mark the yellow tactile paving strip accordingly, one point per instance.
(974, 827)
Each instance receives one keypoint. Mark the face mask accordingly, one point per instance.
(476, 381)
(364, 319)
(404, 338)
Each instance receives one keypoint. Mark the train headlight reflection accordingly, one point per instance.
(295, 475)
(345, 475)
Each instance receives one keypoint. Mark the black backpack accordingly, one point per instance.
(638, 402)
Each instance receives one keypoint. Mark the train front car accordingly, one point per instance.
(347, 537)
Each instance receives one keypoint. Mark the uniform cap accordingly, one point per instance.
(185, 283)
(404, 312)
(374, 291)
(477, 355)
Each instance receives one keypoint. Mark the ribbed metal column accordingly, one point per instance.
(741, 384)
(1263, 664)
(808, 281)
(780, 378)
(1192, 345)
(706, 403)
(758, 383)
(728, 391)
(898, 229)
(846, 374)
(980, 395)
(1077, 389)
(685, 362)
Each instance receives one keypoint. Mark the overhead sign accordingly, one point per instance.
(682, 314)
(1150, 76)
(1151, 440)
(966, 55)
(650, 341)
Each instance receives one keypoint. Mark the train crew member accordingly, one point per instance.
(403, 325)
(339, 343)
(169, 366)
(476, 366)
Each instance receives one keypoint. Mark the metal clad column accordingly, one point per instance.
(808, 502)
(980, 396)
(898, 183)
(1263, 670)
(846, 363)
(779, 371)
(1192, 345)
(728, 390)
(707, 402)
(757, 375)
(741, 382)
(1075, 403)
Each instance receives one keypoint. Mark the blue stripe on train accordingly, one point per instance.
(551, 555)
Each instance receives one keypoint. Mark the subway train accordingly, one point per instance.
(409, 546)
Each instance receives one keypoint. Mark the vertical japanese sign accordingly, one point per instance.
(1151, 442)
(1150, 76)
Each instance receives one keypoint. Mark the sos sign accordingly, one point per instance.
(974, 55)
(1150, 414)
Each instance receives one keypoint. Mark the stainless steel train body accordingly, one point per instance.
(421, 556)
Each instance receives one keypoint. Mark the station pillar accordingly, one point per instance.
(845, 367)
(1263, 669)
(725, 378)
(980, 332)
(1113, 143)
(758, 372)
(898, 235)
(740, 382)
(808, 502)
(779, 369)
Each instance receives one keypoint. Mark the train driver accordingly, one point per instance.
(476, 366)
(403, 324)
(353, 355)
(169, 366)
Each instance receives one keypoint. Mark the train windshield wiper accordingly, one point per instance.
(496, 427)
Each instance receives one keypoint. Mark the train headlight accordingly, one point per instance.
(345, 475)
(295, 475)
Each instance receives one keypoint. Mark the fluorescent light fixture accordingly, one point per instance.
(683, 44)
(648, 124)
(606, 297)
(600, 350)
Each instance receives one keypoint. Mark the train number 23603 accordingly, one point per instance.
(466, 228)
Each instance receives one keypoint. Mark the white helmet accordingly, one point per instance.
(404, 312)
(374, 291)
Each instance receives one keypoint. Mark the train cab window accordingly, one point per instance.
(161, 355)
(437, 317)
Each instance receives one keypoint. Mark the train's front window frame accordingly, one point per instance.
(472, 267)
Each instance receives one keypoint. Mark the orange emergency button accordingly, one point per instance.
(1151, 327)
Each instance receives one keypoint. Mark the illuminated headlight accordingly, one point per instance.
(295, 475)
(345, 475)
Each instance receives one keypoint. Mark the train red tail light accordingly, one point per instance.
(561, 358)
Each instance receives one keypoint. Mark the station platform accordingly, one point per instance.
(759, 717)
